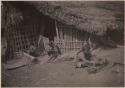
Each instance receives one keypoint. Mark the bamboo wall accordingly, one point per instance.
(20, 39)
(69, 38)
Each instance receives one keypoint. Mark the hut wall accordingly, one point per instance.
(21, 39)
(19, 36)
(69, 38)
(21, 33)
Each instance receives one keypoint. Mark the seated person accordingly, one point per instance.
(86, 51)
(89, 60)
(86, 58)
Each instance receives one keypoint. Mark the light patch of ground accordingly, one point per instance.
(64, 74)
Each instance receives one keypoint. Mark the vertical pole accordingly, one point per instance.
(57, 31)
(64, 41)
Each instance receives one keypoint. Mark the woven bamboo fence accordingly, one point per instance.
(68, 38)
(21, 39)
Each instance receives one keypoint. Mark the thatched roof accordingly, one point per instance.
(94, 17)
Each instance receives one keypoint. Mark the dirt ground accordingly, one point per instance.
(64, 74)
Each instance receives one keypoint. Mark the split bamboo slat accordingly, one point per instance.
(64, 41)
(69, 40)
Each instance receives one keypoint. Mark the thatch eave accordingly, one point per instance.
(82, 15)
(85, 16)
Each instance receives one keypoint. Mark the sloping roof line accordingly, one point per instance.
(82, 15)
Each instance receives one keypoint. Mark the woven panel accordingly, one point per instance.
(20, 39)
(69, 38)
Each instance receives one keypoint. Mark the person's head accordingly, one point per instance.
(51, 43)
(85, 43)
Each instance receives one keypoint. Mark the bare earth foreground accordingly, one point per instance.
(64, 73)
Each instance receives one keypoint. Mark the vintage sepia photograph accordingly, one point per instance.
(62, 43)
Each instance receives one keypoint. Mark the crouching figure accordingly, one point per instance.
(53, 52)
(86, 55)
(92, 62)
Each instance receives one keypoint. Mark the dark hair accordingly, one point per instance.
(51, 43)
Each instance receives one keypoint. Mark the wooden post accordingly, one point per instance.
(57, 31)
(64, 41)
